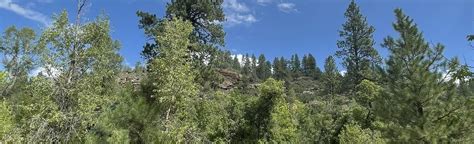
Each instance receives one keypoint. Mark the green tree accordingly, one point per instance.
(247, 65)
(419, 105)
(331, 77)
(263, 68)
(236, 64)
(309, 67)
(295, 66)
(356, 47)
(253, 68)
(280, 69)
(225, 60)
(216, 117)
(81, 63)
(18, 49)
(354, 134)
(174, 86)
(207, 18)
(6, 120)
(204, 16)
(270, 119)
(6, 117)
(366, 93)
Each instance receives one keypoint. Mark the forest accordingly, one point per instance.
(190, 90)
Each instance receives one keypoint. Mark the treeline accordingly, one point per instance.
(415, 95)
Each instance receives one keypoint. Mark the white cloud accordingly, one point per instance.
(235, 18)
(446, 77)
(287, 7)
(264, 2)
(48, 72)
(343, 72)
(25, 12)
(239, 57)
(235, 6)
(237, 13)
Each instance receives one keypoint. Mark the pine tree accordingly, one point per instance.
(356, 47)
(247, 65)
(253, 68)
(225, 60)
(207, 18)
(295, 66)
(419, 105)
(280, 69)
(331, 77)
(263, 68)
(309, 67)
(236, 64)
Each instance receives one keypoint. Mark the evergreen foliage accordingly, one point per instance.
(419, 105)
(189, 91)
(356, 47)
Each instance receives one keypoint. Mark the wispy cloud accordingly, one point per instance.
(45, 1)
(287, 7)
(235, 18)
(235, 6)
(237, 13)
(25, 12)
(264, 2)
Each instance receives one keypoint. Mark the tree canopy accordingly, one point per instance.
(66, 83)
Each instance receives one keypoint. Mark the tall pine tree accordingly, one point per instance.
(419, 105)
(356, 47)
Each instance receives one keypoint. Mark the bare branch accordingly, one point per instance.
(80, 7)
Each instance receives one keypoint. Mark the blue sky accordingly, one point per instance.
(272, 27)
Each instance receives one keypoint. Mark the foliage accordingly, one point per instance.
(280, 69)
(419, 104)
(83, 94)
(6, 120)
(173, 81)
(263, 68)
(356, 47)
(331, 77)
(309, 67)
(207, 34)
(18, 49)
(354, 134)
